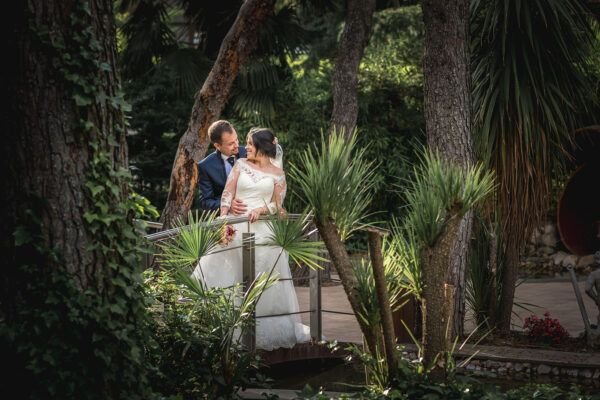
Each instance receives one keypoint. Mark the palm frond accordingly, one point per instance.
(528, 86)
(441, 191)
(195, 239)
(291, 235)
(337, 182)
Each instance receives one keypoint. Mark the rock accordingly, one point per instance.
(549, 229)
(586, 373)
(546, 250)
(571, 259)
(585, 261)
(549, 240)
(555, 371)
(543, 369)
(502, 371)
(558, 257)
(596, 374)
(573, 372)
(519, 367)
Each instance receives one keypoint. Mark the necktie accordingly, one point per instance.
(231, 160)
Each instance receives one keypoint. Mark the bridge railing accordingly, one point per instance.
(249, 273)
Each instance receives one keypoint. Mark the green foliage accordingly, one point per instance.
(529, 93)
(197, 350)
(290, 235)
(336, 181)
(195, 239)
(401, 251)
(484, 286)
(160, 113)
(441, 191)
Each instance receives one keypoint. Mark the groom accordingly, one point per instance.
(215, 168)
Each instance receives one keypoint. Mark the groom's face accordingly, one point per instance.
(229, 144)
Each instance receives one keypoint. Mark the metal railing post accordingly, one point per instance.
(316, 328)
(248, 275)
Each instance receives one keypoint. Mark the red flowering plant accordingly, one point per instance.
(546, 329)
(227, 234)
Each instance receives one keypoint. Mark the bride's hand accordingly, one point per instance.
(254, 214)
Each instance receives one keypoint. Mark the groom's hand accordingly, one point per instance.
(238, 207)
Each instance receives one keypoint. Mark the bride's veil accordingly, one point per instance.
(278, 159)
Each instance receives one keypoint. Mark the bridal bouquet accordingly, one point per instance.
(227, 235)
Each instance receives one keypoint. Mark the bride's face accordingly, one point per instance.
(250, 149)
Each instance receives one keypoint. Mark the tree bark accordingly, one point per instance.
(345, 269)
(237, 46)
(509, 277)
(357, 30)
(69, 293)
(45, 152)
(438, 292)
(448, 113)
(387, 324)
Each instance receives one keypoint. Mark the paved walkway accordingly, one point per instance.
(538, 296)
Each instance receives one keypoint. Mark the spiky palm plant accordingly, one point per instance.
(336, 181)
(438, 197)
(527, 87)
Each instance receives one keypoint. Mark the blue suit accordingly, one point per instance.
(212, 179)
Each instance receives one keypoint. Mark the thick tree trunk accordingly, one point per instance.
(448, 112)
(343, 265)
(69, 298)
(45, 150)
(359, 21)
(438, 292)
(210, 100)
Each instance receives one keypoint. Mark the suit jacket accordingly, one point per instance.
(212, 179)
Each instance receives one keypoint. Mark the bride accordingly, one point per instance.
(259, 181)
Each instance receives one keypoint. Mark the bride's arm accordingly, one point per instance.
(276, 203)
(229, 190)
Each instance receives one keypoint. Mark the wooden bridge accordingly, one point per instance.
(313, 312)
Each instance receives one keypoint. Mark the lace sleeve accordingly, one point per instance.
(229, 190)
(278, 197)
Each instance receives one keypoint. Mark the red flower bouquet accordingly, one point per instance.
(227, 234)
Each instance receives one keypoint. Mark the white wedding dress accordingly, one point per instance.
(224, 268)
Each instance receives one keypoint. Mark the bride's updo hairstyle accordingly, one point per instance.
(263, 140)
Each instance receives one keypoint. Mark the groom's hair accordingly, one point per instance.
(217, 128)
(263, 140)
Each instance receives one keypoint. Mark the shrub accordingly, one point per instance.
(545, 329)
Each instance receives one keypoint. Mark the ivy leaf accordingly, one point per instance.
(82, 101)
(22, 236)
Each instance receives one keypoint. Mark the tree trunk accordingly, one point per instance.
(343, 265)
(210, 100)
(437, 304)
(448, 112)
(45, 151)
(385, 309)
(357, 30)
(509, 277)
(69, 292)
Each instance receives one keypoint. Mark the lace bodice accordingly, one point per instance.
(254, 187)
